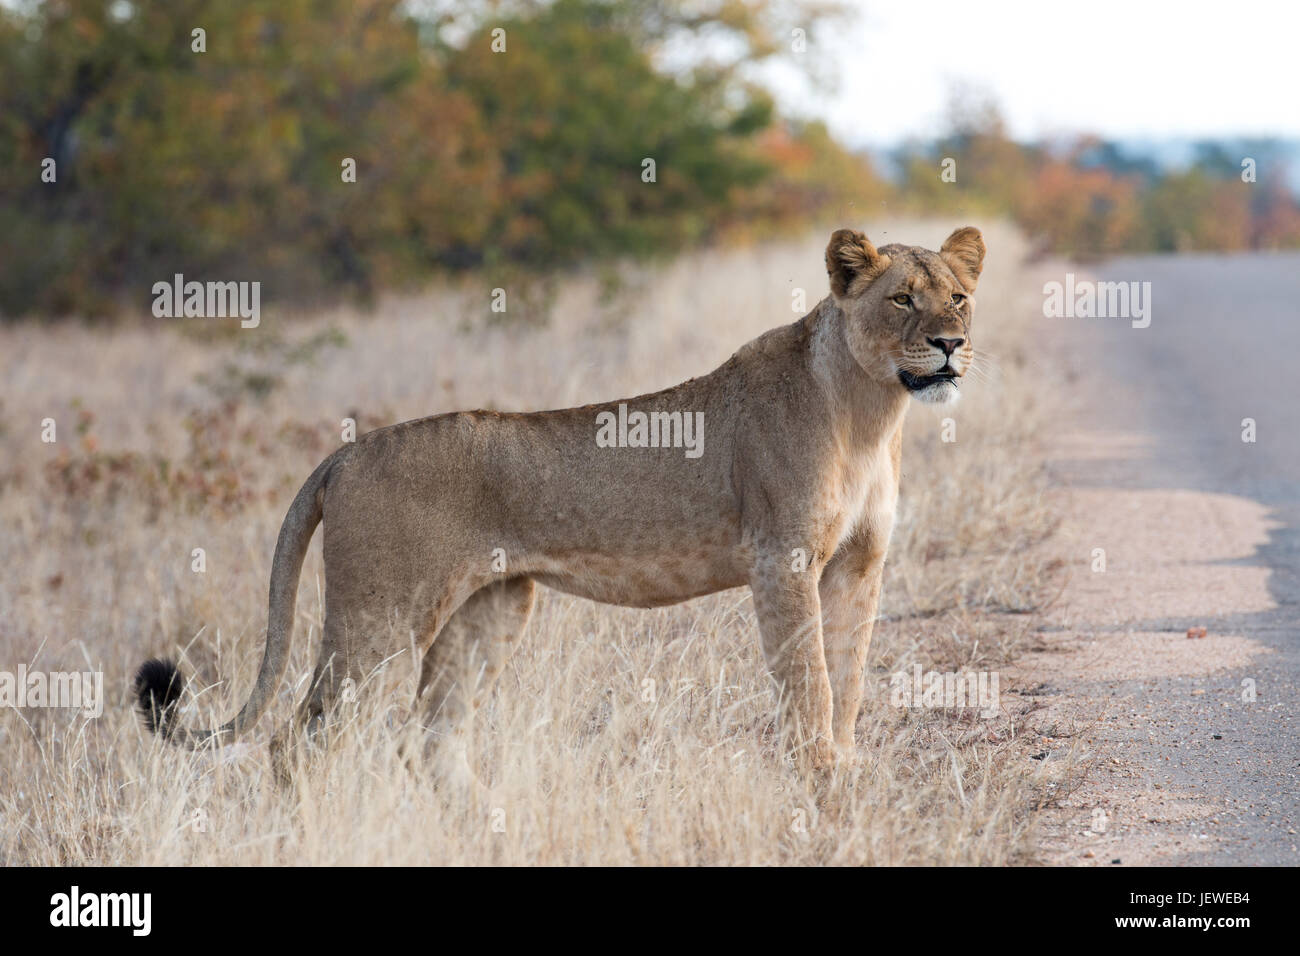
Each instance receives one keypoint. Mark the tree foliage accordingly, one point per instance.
(228, 163)
(1086, 198)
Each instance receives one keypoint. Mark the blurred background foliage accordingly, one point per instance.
(227, 163)
(1087, 197)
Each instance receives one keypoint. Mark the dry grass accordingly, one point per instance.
(180, 437)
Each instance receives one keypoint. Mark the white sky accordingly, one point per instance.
(1115, 67)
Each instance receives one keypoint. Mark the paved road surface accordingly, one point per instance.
(1221, 347)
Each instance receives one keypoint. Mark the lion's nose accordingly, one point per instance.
(948, 346)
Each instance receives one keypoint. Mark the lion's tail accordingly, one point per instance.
(158, 683)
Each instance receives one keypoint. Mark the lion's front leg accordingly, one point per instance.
(790, 627)
(850, 596)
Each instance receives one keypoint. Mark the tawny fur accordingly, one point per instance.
(793, 496)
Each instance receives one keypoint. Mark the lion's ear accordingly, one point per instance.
(964, 253)
(852, 262)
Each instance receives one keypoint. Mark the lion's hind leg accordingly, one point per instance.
(341, 671)
(464, 662)
(369, 622)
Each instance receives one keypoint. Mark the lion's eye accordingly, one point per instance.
(958, 299)
(902, 299)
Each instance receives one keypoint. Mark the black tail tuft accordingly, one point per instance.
(158, 686)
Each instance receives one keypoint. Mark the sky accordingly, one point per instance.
(1120, 68)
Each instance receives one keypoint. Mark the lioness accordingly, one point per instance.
(447, 524)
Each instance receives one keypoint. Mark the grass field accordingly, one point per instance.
(196, 434)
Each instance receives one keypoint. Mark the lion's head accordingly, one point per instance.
(907, 310)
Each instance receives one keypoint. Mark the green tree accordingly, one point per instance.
(578, 114)
(227, 162)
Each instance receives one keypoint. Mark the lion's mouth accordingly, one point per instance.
(915, 383)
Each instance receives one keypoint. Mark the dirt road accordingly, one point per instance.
(1195, 525)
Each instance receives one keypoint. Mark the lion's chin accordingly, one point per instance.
(944, 392)
(937, 389)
